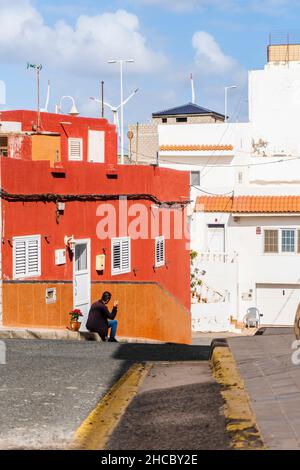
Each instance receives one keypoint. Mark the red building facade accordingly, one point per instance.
(75, 223)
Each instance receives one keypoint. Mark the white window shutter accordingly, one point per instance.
(19, 258)
(125, 255)
(121, 256)
(116, 256)
(75, 149)
(159, 251)
(33, 256)
(26, 256)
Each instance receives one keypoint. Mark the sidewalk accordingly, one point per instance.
(59, 334)
(183, 406)
(273, 385)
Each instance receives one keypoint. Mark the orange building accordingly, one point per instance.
(75, 223)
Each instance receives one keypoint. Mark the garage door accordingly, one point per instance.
(278, 303)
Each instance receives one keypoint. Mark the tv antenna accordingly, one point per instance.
(38, 68)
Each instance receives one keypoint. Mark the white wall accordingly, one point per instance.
(252, 265)
(211, 317)
(271, 134)
(274, 107)
(6, 126)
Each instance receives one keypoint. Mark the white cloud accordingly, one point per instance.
(209, 55)
(215, 70)
(84, 48)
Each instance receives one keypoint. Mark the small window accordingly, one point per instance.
(3, 145)
(240, 177)
(271, 241)
(120, 255)
(298, 243)
(288, 241)
(164, 120)
(26, 256)
(80, 257)
(75, 149)
(159, 251)
(181, 119)
(195, 178)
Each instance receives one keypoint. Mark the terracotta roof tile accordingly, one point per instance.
(250, 204)
(197, 148)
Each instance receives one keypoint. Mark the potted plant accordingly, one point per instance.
(74, 323)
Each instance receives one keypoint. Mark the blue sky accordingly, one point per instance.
(217, 40)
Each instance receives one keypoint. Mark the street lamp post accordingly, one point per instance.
(226, 99)
(121, 62)
(73, 111)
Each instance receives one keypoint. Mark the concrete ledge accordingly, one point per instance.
(94, 432)
(66, 335)
(241, 421)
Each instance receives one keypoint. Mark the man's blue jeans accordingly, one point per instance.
(113, 325)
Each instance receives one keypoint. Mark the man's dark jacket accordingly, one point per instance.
(98, 318)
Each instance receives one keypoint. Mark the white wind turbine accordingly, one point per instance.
(115, 109)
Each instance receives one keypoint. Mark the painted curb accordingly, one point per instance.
(65, 335)
(96, 429)
(240, 419)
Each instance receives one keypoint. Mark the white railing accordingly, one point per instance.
(216, 257)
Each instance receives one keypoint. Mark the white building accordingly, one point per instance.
(248, 247)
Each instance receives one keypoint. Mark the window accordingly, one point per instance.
(120, 256)
(75, 149)
(164, 120)
(285, 240)
(181, 119)
(195, 178)
(26, 256)
(271, 241)
(288, 241)
(3, 145)
(159, 251)
(80, 257)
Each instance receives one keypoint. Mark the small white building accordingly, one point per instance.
(246, 230)
(249, 252)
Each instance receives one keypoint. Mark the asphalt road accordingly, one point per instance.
(47, 388)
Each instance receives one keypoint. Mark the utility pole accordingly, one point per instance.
(121, 62)
(102, 98)
(226, 99)
(38, 68)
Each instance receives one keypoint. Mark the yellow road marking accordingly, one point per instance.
(94, 432)
(241, 421)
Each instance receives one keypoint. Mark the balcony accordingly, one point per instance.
(216, 257)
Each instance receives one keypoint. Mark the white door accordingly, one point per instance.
(216, 239)
(96, 146)
(278, 303)
(82, 279)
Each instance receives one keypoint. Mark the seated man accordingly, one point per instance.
(100, 320)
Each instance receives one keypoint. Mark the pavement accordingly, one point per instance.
(178, 407)
(272, 382)
(61, 334)
(48, 388)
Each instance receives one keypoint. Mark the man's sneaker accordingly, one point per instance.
(112, 340)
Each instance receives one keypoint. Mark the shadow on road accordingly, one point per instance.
(161, 352)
